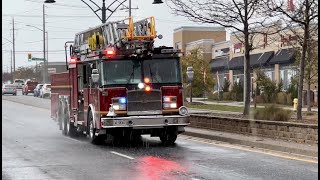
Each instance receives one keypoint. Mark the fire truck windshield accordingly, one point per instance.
(162, 70)
(130, 71)
(121, 72)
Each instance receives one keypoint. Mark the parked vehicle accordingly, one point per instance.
(9, 89)
(19, 83)
(45, 91)
(29, 87)
(36, 91)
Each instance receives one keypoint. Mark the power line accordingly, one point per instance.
(58, 4)
(38, 51)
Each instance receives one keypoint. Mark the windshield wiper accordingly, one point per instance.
(132, 74)
(150, 73)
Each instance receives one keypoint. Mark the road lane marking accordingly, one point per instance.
(256, 151)
(74, 139)
(122, 155)
(5, 118)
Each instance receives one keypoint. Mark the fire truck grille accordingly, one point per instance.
(144, 101)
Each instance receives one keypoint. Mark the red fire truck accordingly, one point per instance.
(117, 83)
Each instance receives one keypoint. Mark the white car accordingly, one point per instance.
(45, 91)
(19, 83)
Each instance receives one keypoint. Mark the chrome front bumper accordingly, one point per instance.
(144, 122)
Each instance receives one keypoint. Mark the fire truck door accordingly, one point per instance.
(81, 80)
(74, 84)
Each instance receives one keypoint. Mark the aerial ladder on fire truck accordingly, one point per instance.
(125, 36)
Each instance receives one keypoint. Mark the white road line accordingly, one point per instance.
(5, 118)
(73, 139)
(119, 154)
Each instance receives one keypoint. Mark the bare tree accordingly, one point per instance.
(240, 15)
(303, 13)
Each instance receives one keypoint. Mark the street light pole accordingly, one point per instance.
(44, 48)
(14, 49)
(190, 75)
(103, 10)
(129, 8)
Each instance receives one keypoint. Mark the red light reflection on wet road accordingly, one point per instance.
(154, 168)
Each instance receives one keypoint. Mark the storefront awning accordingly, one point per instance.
(236, 63)
(261, 59)
(221, 63)
(283, 56)
(256, 60)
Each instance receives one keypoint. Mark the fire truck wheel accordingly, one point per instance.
(70, 129)
(59, 117)
(92, 131)
(64, 125)
(168, 138)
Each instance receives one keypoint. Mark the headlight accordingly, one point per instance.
(183, 111)
(173, 105)
(169, 102)
(119, 103)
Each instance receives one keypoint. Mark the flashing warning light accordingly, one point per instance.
(72, 60)
(146, 80)
(109, 52)
(140, 85)
(122, 100)
(166, 99)
(148, 88)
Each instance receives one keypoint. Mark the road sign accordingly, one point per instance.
(37, 59)
(52, 70)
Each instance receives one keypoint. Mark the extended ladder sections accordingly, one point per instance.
(124, 35)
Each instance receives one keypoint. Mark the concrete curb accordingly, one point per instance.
(253, 144)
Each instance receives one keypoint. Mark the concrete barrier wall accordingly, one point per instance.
(294, 132)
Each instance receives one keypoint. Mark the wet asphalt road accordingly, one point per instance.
(34, 148)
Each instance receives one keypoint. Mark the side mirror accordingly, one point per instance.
(95, 75)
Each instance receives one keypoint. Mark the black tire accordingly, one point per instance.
(169, 137)
(97, 140)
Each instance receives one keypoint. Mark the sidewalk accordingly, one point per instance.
(235, 103)
(254, 141)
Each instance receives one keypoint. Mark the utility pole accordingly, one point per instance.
(47, 47)
(45, 69)
(129, 8)
(11, 65)
(14, 49)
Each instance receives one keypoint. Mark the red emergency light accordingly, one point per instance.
(109, 52)
(148, 88)
(73, 60)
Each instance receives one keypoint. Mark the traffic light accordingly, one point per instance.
(29, 58)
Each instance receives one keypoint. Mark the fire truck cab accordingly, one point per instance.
(120, 86)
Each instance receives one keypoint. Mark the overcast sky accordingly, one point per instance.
(64, 19)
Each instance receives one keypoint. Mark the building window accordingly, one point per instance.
(286, 75)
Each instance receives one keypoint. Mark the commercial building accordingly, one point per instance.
(273, 54)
